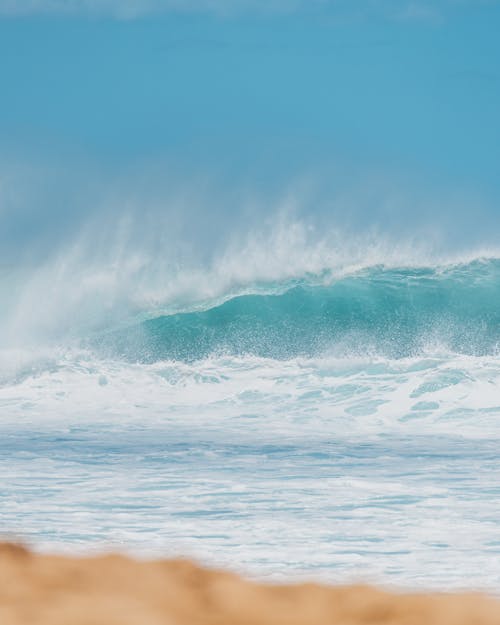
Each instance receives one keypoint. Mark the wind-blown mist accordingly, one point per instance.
(98, 256)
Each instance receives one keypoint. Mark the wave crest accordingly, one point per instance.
(391, 312)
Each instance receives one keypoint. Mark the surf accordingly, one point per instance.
(394, 312)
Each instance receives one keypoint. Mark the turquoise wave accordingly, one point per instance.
(391, 312)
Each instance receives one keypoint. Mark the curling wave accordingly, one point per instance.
(391, 312)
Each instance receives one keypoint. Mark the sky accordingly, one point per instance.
(399, 96)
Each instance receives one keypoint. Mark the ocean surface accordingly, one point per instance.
(322, 424)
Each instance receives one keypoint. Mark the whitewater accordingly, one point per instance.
(294, 414)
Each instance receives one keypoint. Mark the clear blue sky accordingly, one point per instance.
(410, 87)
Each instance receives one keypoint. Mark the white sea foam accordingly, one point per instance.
(336, 469)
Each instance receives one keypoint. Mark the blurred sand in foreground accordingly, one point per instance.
(116, 590)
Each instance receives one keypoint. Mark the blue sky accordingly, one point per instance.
(258, 90)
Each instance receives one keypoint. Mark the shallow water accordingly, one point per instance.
(333, 468)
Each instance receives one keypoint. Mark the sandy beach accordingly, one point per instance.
(116, 590)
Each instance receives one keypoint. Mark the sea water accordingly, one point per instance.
(333, 425)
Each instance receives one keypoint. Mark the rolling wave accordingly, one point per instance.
(393, 312)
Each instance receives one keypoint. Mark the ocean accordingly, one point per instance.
(291, 420)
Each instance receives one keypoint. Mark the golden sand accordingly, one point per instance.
(116, 590)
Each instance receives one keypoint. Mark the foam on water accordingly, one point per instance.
(341, 469)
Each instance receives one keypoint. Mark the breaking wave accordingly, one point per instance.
(392, 312)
